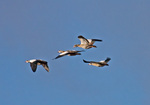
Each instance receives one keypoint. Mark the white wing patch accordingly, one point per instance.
(91, 41)
(32, 60)
(103, 62)
(83, 41)
(64, 53)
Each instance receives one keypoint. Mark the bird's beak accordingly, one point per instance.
(26, 61)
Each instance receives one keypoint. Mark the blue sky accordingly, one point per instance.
(39, 28)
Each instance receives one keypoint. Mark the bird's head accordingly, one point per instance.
(94, 46)
(27, 61)
(90, 64)
(76, 45)
(60, 51)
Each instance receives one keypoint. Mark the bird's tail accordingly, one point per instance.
(94, 46)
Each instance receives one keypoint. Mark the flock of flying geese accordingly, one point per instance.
(85, 44)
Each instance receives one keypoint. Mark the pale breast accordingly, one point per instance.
(97, 64)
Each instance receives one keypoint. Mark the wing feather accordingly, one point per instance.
(46, 67)
(83, 40)
(62, 54)
(107, 59)
(88, 61)
(92, 41)
(33, 66)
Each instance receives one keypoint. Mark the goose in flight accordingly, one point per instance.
(68, 52)
(35, 62)
(86, 43)
(98, 64)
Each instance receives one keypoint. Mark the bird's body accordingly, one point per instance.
(98, 64)
(84, 46)
(35, 62)
(68, 52)
(86, 43)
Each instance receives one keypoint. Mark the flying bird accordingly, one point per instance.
(35, 62)
(86, 43)
(68, 52)
(98, 64)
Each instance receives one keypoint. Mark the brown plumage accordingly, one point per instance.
(68, 52)
(86, 43)
(98, 64)
(35, 62)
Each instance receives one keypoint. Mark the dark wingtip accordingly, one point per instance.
(53, 58)
(98, 40)
(80, 36)
(108, 58)
(84, 60)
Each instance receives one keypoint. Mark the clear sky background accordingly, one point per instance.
(39, 28)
